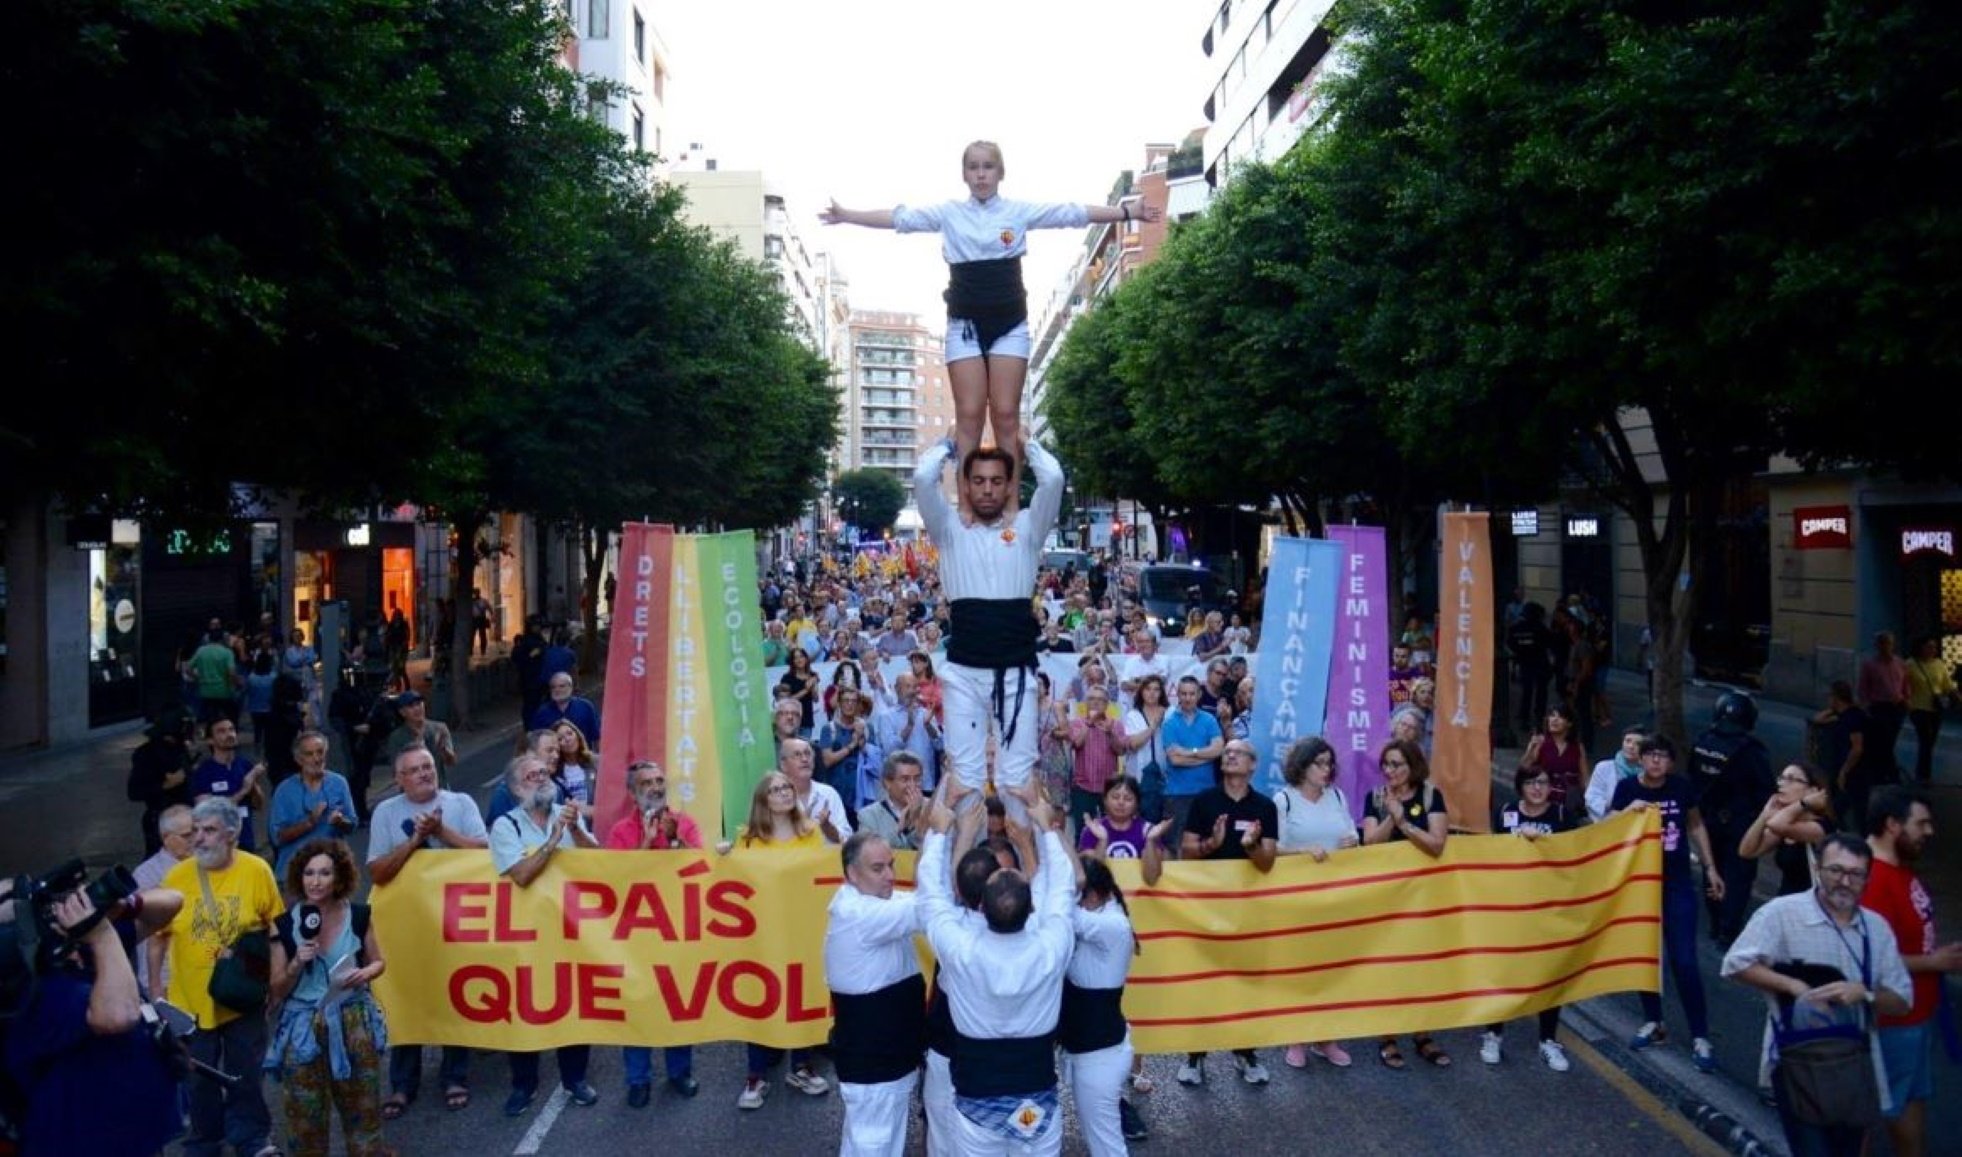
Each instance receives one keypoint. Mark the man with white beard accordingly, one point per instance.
(522, 841)
(878, 998)
(1005, 985)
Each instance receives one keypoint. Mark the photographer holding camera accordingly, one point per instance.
(79, 1036)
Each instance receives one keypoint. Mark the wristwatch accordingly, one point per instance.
(1867, 995)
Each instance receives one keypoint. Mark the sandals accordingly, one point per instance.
(1391, 1055)
(393, 1106)
(456, 1097)
(1430, 1051)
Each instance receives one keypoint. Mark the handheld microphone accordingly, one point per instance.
(306, 921)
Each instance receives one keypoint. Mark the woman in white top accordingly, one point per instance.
(1315, 821)
(1141, 725)
(983, 239)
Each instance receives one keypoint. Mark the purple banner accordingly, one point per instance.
(1358, 721)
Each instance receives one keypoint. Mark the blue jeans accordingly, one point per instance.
(1679, 950)
(680, 1061)
(762, 1058)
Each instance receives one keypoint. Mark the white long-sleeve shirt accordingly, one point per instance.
(1104, 946)
(988, 562)
(975, 230)
(868, 944)
(1001, 986)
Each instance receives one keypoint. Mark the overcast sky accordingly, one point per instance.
(871, 101)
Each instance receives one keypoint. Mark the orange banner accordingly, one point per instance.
(1461, 760)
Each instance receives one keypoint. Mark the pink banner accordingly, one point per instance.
(1358, 721)
(634, 715)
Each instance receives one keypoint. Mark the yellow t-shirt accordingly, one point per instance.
(246, 896)
(811, 839)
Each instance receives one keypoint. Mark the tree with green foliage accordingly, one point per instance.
(868, 498)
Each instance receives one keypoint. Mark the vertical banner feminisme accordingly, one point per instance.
(634, 716)
(1359, 667)
(1297, 635)
(1461, 763)
(739, 702)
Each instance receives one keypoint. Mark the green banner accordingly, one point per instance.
(739, 701)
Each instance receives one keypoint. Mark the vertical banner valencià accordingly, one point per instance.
(1297, 635)
(739, 702)
(1359, 668)
(1461, 763)
(634, 715)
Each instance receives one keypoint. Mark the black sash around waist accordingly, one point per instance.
(988, 295)
(992, 633)
(939, 1019)
(1093, 1018)
(1004, 1067)
(877, 1036)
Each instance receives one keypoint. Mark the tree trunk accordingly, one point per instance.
(465, 558)
(593, 545)
(1663, 549)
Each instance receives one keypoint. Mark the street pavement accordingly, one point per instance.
(69, 802)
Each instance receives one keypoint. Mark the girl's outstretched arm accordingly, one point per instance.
(870, 218)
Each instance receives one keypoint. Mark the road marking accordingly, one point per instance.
(534, 1137)
(1671, 1121)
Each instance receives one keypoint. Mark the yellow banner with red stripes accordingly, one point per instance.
(661, 948)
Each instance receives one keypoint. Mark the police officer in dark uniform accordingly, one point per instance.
(1531, 646)
(1732, 772)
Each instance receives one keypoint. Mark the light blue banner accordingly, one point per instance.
(1297, 640)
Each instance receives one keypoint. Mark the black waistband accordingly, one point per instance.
(1003, 1067)
(1093, 1018)
(994, 633)
(987, 290)
(939, 1019)
(877, 1036)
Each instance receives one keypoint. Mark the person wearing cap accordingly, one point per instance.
(418, 729)
(562, 705)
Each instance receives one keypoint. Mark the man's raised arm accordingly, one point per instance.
(935, 514)
(1048, 500)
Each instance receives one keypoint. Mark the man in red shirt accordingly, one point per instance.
(1899, 825)
(654, 825)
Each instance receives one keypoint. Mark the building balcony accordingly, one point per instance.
(885, 420)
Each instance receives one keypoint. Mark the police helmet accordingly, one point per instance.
(1736, 711)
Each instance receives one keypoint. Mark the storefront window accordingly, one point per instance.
(265, 575)
(313, 584)
(399, 588)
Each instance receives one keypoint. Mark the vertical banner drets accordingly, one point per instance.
(1297, 637)
(634, 715)
(1359, 671)
(1461, 761)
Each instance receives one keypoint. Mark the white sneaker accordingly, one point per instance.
(752, 1097)
(804, 1080)
(1490, 1049)
(1251, 1071)
(1554, 1056)
(1191, 1074)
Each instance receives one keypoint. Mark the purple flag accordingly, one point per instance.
(1358, 721)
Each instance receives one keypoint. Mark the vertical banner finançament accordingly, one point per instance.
(1359, 671)
(1461, 765)
(634, 715)
(1297, 636)
(739, 699)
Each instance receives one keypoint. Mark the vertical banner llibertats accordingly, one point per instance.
(1461, 763)
(739, 703)
(1359, 670)
(634, 716)
(694, 758)
(1297, 635)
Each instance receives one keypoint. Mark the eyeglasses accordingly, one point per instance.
(1793, 777)
(1839, 873)
(782, 787)
(1242, 752)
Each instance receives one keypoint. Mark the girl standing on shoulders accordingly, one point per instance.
(983, 239)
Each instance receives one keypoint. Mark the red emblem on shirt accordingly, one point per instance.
(1008, 536)
(1007, 238)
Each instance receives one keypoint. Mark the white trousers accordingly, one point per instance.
(967, 702)
(937, 1097)
(1096, 1083)
(875, 1117)
(971, 1140)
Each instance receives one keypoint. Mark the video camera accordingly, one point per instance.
(35, 941)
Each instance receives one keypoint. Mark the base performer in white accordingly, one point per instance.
(987, 574)
(878, 998)
(972, 869)
(1005, 988)
(1095, 1038)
